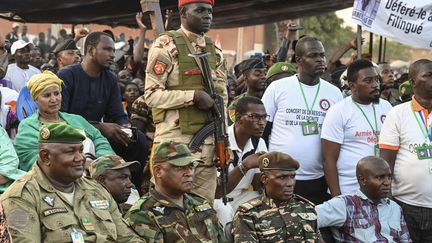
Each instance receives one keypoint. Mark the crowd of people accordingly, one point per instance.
(95, 142)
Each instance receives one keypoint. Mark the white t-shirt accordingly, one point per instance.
(345, 124)
(285, 105)
(19, 77)
(240, 194)
(412, 178)
(8, 95)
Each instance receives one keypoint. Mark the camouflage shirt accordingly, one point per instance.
(260, 220)
(156, 219)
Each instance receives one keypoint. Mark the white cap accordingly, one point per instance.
(18, 45)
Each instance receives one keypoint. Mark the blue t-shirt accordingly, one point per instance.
(92, 98)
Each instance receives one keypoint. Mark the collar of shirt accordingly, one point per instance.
(195, 39)
(188, 201)
(233, 143)
(417, 107)
(361, 195)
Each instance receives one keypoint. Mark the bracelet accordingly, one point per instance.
(243, 169)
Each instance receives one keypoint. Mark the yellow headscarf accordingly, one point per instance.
(38, 83)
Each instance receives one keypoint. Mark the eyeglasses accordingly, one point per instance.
(257, 117)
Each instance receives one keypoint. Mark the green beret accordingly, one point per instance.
(60, 133)
(281, 67)
(67, 44)
(251, 63)
(110, 162)
(277, 161)
(173, 153)
(405, 89)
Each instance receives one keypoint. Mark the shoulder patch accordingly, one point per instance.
(138, 204)
(304, 200)
(250, 205)
(159, 67)
(164, 39)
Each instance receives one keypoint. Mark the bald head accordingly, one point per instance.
(416, 66)
(370, 163)
(301, 45)
(374, 177)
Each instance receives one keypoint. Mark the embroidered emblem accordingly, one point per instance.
(159, 209)
(203, 207)
(87, 223)
(159, 68)
(49, 200)
(324, 104)
(100, 204)
(284, 68)
(265, 223)
(54, 211)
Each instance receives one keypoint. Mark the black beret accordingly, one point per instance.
(251, 63)
(67, 44)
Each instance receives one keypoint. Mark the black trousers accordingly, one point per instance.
(419, 222)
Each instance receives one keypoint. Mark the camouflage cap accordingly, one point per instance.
(277, 161)
(60, 133)
(110, 162)
(173, 153)
(281, 67)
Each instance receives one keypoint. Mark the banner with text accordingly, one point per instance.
(407, 21)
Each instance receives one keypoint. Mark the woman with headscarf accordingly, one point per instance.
(45, 89)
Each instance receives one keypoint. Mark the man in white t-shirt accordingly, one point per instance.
(247, 145)
(405, 143)
(21, 71)
(296, 107)
(351, 128)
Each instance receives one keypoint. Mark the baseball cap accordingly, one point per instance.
(174, 153)
(19, 44)
(111, 162)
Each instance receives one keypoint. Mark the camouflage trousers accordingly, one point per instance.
(205, 177)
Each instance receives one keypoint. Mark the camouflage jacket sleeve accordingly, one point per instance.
(144, 223)
(162, 64)
(244, 227)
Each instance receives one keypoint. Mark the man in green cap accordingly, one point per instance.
(253, 71)
(170, 213)
(278, 215)
(280, 70)
(115, 174)
(54, 203)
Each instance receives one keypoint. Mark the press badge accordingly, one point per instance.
(309, 128)
(77, 237)
(424, 152)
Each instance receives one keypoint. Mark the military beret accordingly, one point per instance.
(281, 67)
(110, 162)
(405, 89)
(251, 63)
(67, 44)
(184, 2)
(173, 153)
(60, 133)
(277, 161)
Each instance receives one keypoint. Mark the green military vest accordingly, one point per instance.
(191, 118)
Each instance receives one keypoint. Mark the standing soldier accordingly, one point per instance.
(279, 215)
(174, 87)
(170, 213)
(55, 203)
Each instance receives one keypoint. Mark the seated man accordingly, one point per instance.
(278, 215)
(115, 174)
(368, 215)
(55, 203)
(170, 213)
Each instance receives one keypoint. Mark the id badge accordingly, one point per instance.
(309, 128)
(77, 237)
(424, 152)
(376, 150)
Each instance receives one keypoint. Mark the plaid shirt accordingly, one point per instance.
(355, 218)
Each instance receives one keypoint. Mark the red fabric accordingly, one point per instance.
(184, 2)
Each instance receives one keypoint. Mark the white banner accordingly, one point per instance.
(407, 21)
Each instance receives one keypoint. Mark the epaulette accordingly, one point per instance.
(16, 189)
(197, 197)
(304, 200)
(138, 204)
(250, 204)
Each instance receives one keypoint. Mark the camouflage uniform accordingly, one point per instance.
(37, 212)
(156, 219)
(260, 220)
(163, 71)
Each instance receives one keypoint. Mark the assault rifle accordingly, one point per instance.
(216, 126)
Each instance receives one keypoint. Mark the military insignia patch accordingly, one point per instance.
(44, 133)
(87, 223)
(266, 162)
(159, 68)
(52, 211)
(49, 200)
(100, 204)
(231, 114)
(203, 207)
(284, 68)
(159, 209)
